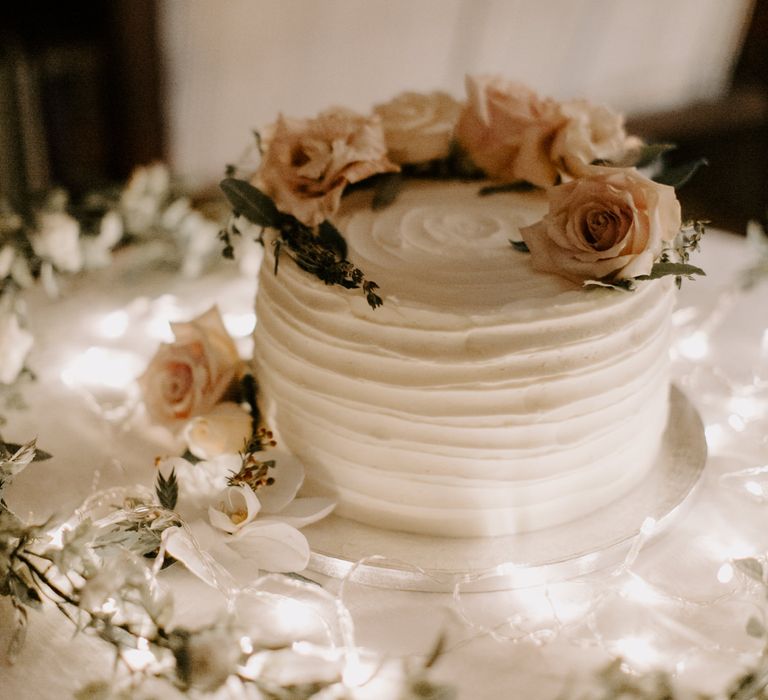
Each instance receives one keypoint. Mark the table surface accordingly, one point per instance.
(678, 606)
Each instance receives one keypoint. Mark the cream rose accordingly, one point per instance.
(590, 133)
(309, 162)
(508, 130)
(227, 428)
(418, 127)
(609, 225)
(189, 376)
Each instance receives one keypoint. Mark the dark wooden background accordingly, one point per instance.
(81, 105)
(732, 134)
(80, 93)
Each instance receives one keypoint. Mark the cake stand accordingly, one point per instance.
(388, 559)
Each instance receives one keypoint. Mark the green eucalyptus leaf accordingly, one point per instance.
(755, 628)
(437, 651)
(10, 524)
(18, 449)
(14, 458)
(386, 190)
(299, 577)
(23, 593)
(251, 202)
(187, 455)
(459, 164)
(663, 269)
(750, 567)
(19, 635)
(650, 152)
(520, 246)
(679, 175)
(424, 689)
(519, 186)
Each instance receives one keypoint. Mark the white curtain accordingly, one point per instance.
(231, 65)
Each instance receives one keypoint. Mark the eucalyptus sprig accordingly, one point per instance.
(95, 576)
(320, 250)
(675, 259)
(679, 175)
(14, 458)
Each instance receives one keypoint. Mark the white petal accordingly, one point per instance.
(272, 545)
(180, 545)
(220, 520)
(289, 476)
(243, 498)
(303, 511)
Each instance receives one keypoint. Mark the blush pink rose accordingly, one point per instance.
(309, 162)
(508, 130)
(189, 376)
(611, 224)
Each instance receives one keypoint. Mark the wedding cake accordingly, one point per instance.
(508, 370)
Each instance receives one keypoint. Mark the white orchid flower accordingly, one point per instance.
(241, 529)
(238, 509)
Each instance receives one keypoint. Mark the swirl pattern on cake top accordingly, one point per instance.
(483, 397)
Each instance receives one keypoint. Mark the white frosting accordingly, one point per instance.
(483, 397)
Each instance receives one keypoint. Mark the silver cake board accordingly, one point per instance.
(400, 560)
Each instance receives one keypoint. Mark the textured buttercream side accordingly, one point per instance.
(483, 397)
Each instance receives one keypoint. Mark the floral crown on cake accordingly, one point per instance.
(609, 224)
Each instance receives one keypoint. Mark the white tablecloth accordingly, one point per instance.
(685, 612)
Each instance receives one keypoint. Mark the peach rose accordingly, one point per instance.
(508, 130)
(309, 162)
(189, 376)
(418, 127)
(609, 225)
(590, 133)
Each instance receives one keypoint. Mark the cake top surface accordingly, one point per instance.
(441, 245)
(442, 257)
